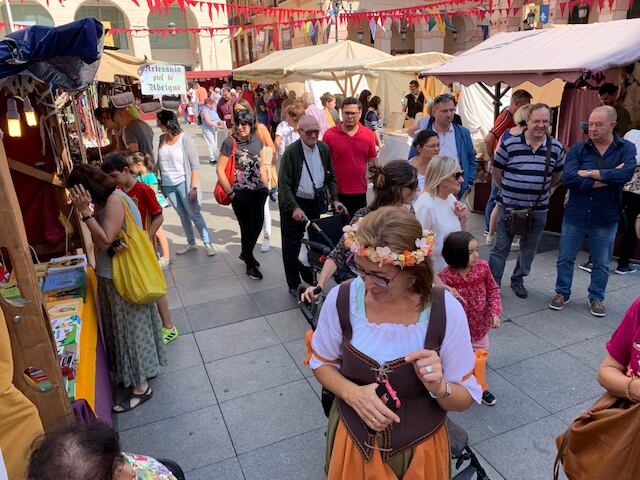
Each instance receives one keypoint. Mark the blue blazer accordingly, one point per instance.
(466, 153)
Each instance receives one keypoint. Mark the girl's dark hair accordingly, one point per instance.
(455, 249)
(364, 97)
(423, 137)
(77, 452)
(375, 102)
(115, 162)
(245, 116)
(169, 120)
(95, 181)
(388, 182)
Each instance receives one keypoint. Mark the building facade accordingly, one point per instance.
(196, 50)
(456, 35)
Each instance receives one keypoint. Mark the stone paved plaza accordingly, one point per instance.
(236, 402)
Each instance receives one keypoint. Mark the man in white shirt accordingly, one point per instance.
(305, 181)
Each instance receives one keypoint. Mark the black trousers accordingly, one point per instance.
(292, 234)
(248, 205)
(353, 201)
(631, 205)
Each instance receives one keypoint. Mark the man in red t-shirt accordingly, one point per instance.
(353, 149)
(248, 95)
(117, 167)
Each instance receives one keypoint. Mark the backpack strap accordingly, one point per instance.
(343, 305)
(437, 321)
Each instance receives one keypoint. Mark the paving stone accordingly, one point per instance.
(568, 415)
(616, 304)
(315, 384)
(225, 470)
(591, 351)
(272, 415)
(288, 325)
(251, 372)
(526, 452)
(514, 307)
(180, 319)
(222, 312)
(513, 409)
(193, 440)
(298, 351)
(209, 291)
(241, 337)
(199, 257)
(484, 463)
(182, 353)
(555, 380)
(564, 327)
(511, 343)
(173, 394)
(210, 273)
(274, 300)
(173, 298)
(299, 457)
(547, 285)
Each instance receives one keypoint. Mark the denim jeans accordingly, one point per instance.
(528, 246)
(188, 211)
(601, 239)
(491, 204)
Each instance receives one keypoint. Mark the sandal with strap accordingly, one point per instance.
(125, 404)
(169, 334)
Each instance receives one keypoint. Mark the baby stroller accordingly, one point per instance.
(322, 236)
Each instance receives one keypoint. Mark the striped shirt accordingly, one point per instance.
(523, 172)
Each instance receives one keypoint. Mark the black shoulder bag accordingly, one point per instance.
(519, 221)
(320, 196)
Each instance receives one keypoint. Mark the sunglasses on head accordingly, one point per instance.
(457, 175)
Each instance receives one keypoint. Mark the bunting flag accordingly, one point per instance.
(372, 27)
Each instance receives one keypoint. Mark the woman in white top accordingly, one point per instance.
(437, 208)
(390, 305)
(287, 130)
(178, 164)
(427, 145)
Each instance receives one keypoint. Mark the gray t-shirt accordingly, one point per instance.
(138, 131)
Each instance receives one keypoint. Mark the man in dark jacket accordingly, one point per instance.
(305, 174)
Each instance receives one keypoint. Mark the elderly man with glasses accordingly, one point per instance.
(306, 181)
(455, 140)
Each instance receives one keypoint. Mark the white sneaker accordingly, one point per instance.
(164, 262)
(515, 245)
(489, 239)
(186, 249)
(210, 250)
(266, 246)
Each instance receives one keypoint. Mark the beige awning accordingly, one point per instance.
(414, 63)
(318, 62)
(116, 63)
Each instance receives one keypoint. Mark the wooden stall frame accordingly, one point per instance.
(28, 325)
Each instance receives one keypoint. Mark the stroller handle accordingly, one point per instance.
(319, 231)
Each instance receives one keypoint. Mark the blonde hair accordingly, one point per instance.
(522, 115)
(397, 229)
(143, 158)
(438, 169)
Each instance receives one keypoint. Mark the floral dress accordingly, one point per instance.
(147, 468)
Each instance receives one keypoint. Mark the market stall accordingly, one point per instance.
(58, 359)
(581, 56)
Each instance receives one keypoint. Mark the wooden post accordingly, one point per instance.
(29, 330)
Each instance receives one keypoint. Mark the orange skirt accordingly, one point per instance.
(430, 460)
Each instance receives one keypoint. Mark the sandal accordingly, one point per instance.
(125, 404)
(169, 334)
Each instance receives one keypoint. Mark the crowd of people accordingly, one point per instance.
(409, 252)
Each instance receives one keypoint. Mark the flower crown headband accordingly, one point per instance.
(384, 255)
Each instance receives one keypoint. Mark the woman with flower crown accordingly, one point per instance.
(395, 184)
(396, 352)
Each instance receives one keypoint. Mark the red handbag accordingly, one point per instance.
(219, 192)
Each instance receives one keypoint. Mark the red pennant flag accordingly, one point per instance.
(509, 4)
(217, 7)
(563, 5)
(209, 10)
(516, 10)
(610, 3)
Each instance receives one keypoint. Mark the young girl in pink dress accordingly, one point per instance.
(479, 295)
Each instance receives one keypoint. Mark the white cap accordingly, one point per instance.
(233, 91)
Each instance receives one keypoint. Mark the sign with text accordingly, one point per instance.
(159, 79)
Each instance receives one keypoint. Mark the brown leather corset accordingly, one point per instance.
(420, 415)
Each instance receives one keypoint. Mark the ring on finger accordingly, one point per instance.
(428, 369)
(373, 420)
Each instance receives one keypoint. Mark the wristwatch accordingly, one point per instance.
(446, 393)
(589, 173)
